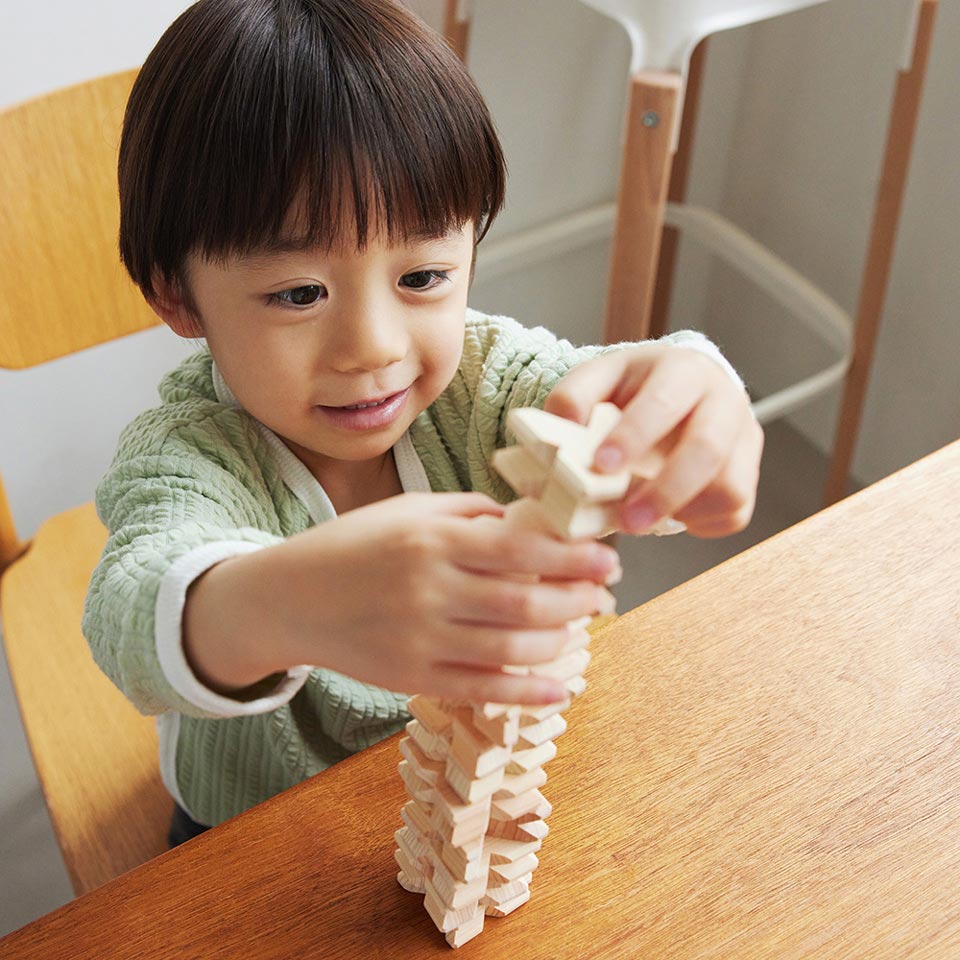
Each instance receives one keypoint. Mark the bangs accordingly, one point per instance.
(350, 115)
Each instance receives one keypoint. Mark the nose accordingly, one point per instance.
(369, 334)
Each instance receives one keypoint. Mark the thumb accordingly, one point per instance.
(588, 384)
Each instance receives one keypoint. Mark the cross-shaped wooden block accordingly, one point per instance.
(551, 466)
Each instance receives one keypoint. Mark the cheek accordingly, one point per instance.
(256, 362)
(446, 342)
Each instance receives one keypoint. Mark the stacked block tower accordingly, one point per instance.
(476, 816)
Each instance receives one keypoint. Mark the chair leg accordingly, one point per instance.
(679, 177)
(456, 28)
(644, 178)
(886, 218)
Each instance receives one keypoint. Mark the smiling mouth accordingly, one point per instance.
(368, 403)
(367, 408)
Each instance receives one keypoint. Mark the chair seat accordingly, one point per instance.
(663, 33)
(92, 750)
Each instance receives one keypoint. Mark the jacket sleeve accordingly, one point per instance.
(506, 365)
(178, 498)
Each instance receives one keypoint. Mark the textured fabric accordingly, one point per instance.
(197, 472)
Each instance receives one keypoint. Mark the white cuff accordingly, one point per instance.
(168, 637)
(697, 341)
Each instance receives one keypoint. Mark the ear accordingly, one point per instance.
(172, 307)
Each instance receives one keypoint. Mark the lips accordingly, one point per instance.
(367, 414)
(364, 404)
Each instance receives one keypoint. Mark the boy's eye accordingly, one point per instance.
(300, 296)
(424, 279)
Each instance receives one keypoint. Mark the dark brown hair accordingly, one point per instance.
(246, 107)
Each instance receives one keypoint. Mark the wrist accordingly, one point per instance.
(232, 636)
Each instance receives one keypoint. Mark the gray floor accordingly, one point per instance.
(32, 878)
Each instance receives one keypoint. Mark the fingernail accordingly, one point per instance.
(609, 457)
(639, 517)
(552, 692)
(614, 576)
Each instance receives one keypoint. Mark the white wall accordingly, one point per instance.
(802, 174)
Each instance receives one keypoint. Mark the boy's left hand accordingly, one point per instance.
(685, 404)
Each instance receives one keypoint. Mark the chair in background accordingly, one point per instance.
(667, 44)
(62, 289)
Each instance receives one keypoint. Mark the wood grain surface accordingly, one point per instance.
(62, 287)
(766, 765)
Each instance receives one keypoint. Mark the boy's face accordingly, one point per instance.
(337, 352)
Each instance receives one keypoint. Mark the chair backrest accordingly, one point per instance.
(663, 33)
(62, 287)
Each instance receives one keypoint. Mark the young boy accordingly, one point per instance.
(303, 184)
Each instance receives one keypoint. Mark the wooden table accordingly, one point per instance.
(766, 765)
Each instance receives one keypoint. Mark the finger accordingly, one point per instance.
(513, 603)
(490, 548)
(451, 504)
(704, 448)
(602, 378)
(455, 682)
(726, 506)
(668, 394)
(482, 646)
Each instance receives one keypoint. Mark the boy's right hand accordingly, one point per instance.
(421, 593)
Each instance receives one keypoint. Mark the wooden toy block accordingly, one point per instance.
(413, 844)
(418, 817)
(454, 893)
(451, 808)
(508, 872)
(470, 789)
(572, 517)
(475, 755)
(503, 730)
(533, 734)
(512, 808)
(536, 714)
(542, 433)
(444, 917)
(424, 767)
(501, 850)
(493, 710)
(466, 861)
(518, 783)
(504, 908)
(431, 713)
(411, 884)
(523, 829)
(466, 931)
(433, 745)
(521, 470)
(410, 876)
(522, 761)
(579, 640)
(417, 787)
(458, 834)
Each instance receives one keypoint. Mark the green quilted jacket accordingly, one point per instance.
(197, 479)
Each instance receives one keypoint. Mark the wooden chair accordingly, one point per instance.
(62, 289)
(668, 40)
